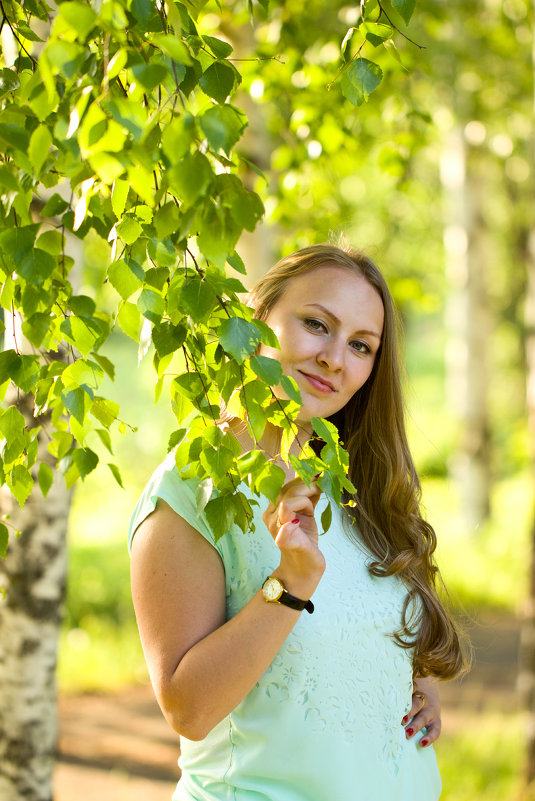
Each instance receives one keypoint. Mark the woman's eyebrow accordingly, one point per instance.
(337, 321)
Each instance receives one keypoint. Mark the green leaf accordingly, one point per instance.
(150, 75)
(189, 384)
(173, 47)
(18, 242)
(168, 337)
(8, 180)
(236, 261)
(176, 438)
(220, 513)
(178, 136)
(129, 230)
(268, 336)
(67, 57)
(118, 196)
(14, 135)
(376, 33)
(80, 332)
(223, 126)
(4, 537)
(269, 370)
(324, 429)
(20, 483)
(106, 364)
(203, 493)
(105, 411)
(326, 518)
(36, 327)
(191, 178)
(291, 389)
(239, 338)
(123, 278)
(105, 438)
(116, 474)
(45, 478)
(360, 79)
(197, 298)
(219, 48)
(9, 81)
(51, 241)
(151, 305)
(405, 8)
(12, 423)
(271, 481)
(85, 460)
(79, 17)
(219, 80)
(40, 142)
(77, 403)
(54, 206)
(36, 266)
(129, 319)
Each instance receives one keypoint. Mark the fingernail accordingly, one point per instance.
(409, 732)
(423, 743)
(317, 476)
(296, 520)
(405, 719)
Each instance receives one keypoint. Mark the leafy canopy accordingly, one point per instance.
(125, 128)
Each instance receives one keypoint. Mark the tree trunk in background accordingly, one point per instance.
(526, 679)
(33, 576)
(468, 325)
(256, 248)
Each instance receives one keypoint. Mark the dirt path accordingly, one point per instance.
(119, 748)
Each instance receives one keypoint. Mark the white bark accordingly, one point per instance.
(468, 325)
(33, 577)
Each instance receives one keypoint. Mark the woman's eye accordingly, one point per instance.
(315, 325)
(361, 347)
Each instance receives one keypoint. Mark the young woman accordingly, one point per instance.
(273, 703)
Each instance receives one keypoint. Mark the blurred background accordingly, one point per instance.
(434, 179)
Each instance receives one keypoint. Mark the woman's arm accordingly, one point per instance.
(201, 667)
(424, 711)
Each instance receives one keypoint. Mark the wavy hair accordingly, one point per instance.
(386, 517)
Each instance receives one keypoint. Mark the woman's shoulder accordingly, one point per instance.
(179, 490)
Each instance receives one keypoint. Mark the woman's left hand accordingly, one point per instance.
(425, 711)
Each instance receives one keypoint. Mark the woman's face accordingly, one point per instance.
(329, 323)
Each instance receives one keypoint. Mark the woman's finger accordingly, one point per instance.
(418, 703)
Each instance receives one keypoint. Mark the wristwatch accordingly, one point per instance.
(273, 591)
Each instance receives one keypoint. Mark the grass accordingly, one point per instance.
(484, 761)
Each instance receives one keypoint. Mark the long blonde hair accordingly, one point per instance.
(386, 517)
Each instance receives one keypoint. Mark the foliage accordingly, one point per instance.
(119, 123)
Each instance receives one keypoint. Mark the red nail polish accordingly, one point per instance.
(296, 520)
(410, 732)
(405, 719)
(316, 476)
(423, 743)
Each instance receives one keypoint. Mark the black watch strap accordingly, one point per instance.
(283, 596)
(296, 603)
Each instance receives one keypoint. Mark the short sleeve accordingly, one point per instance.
(167, 483)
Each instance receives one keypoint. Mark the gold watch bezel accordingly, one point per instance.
(272, 589)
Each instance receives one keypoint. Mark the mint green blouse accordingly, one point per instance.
(324, 721)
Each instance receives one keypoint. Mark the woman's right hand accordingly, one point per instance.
(293, 527)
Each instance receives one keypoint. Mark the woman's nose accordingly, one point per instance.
(331, 356)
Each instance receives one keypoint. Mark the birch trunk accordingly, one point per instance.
(33, 576)
(526, 679)
(468, 325)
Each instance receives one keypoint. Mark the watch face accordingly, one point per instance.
(272, 589)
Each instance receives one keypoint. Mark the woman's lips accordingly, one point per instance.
(318, 383)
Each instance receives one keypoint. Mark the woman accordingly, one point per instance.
(273, 703)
